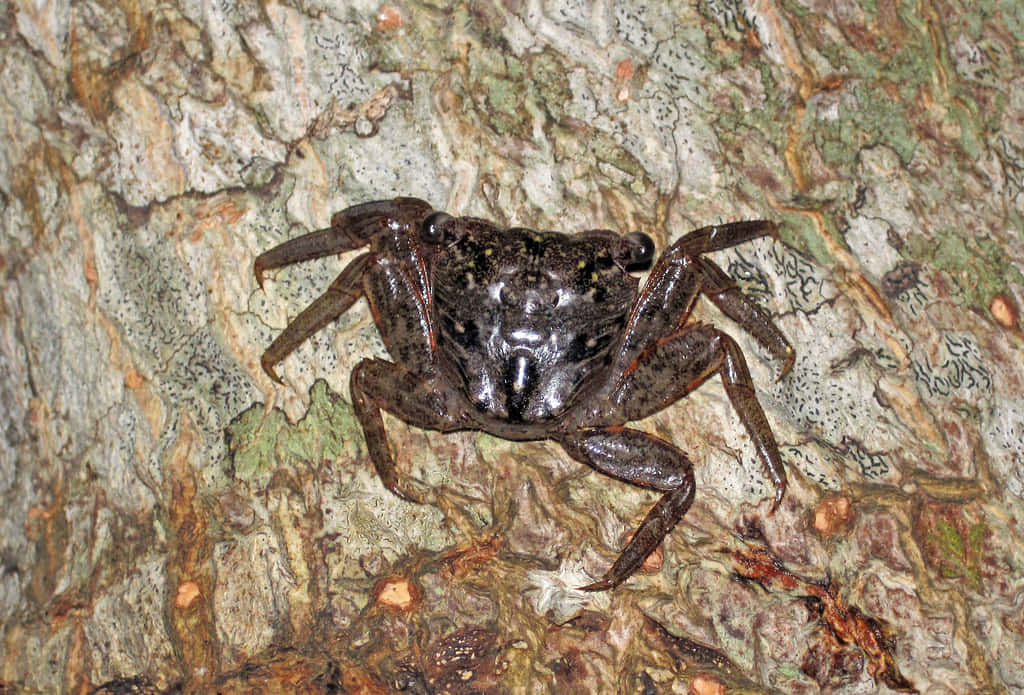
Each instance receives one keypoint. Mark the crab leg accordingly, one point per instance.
(677, 279)
(724, 294)
(680, 363)
(380, 222)
(342, 294)
(350, 229)
(378, 385)
(646, 461)
(722, 236)
(663, 374)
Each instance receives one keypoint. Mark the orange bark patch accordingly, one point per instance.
(389, 18)
(397, 594)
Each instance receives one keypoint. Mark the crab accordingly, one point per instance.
(532, 335)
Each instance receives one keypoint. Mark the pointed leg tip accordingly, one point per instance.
(787, 366)
(404, 494)
(601, 585)
(780, 491)
(257, 270)
(268, 368)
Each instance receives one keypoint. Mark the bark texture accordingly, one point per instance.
(172, 521)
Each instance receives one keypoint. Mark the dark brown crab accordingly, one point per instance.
(538, 335)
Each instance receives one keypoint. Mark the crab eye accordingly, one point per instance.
(432, 229)
(636, 251)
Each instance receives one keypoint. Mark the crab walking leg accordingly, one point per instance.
(341, 295)
(724, 294)
(350, 229)
(646, 461)
(680, 276)
(378, 385)
(722, 236)
(680, 363)
(740, 389)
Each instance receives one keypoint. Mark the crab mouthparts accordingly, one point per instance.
(519, 372)
(519, 375)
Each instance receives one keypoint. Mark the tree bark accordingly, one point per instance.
(175, 521)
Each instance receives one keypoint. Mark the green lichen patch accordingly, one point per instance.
(548, 72)
(261, 441)
(976, 265)
(952, 541)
